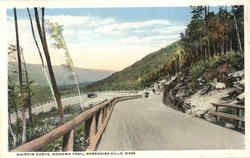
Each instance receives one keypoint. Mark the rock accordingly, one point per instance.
(242, 82)
(220, 85)
(171, 80)
(229, 125)
(206, 90)
(241, 99)
(237, 74)
(241, 96)
(146, 94)
(239, 84)
(163, 81)
(181, 94)
(201, 81)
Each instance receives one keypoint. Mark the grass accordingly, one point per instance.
(79, 132)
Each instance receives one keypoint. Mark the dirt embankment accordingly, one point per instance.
(197, 102)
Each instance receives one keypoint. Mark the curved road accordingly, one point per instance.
(147, 124)
(68, 101)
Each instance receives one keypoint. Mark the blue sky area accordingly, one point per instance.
(125, 34)
(130, 14)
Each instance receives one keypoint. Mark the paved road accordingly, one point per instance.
(101, 96)
(147, 124)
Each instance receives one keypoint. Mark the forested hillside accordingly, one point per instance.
(213, 36)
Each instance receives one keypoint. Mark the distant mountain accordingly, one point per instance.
(63, 75)
(131, 77)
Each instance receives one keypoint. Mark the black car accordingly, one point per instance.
(92, 95)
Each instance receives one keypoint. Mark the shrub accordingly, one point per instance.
(197, 70)
(53, 109)
(236, 60)
(193, 84)
(214, 62)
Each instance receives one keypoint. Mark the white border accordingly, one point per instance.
(3, 82)
(121, 3)
(115, 3)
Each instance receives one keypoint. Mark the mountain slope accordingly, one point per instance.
(131, 77)
(62, 75)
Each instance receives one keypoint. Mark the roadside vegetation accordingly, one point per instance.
(23, 92)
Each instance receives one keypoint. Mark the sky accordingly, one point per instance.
(105, 38)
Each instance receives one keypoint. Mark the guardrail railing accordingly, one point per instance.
(95, 119)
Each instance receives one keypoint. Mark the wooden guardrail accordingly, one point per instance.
(235, 116)
(95, 119)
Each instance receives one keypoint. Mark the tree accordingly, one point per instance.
(56, 33)
(238, 11)
(45, 72)
(42, 36)
(20, 79)
(27, 88)
(210, 33)
(26, 84)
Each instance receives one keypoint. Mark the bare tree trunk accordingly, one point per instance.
(222, 47)
(207, 48)
(238, 34)
(231, 44)
(177, 63)
(28, 88)
(20, 79)
(17, 117)
(218, 48)
(205, 54)
(47, 56)
(12, 132)
(34, 37)
(200, 52)
(208, 42)
(46, 74)
(214, 48)
(196, 53)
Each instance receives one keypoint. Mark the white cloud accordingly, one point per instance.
(107, 31)
(132, 25)
(68, 32)
(86, 21)
(89, 36)
(136, 25)
(85, 32)
(169, 29)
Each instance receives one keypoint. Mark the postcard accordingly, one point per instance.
(124, 79)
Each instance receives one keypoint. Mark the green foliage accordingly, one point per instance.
(236, 60)
(212, 33)
(193, 84)
(40, 94)
(55, 146)
(80, 138)
(213, 63)
(55, 30)
(216, 67)
(196, 70)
